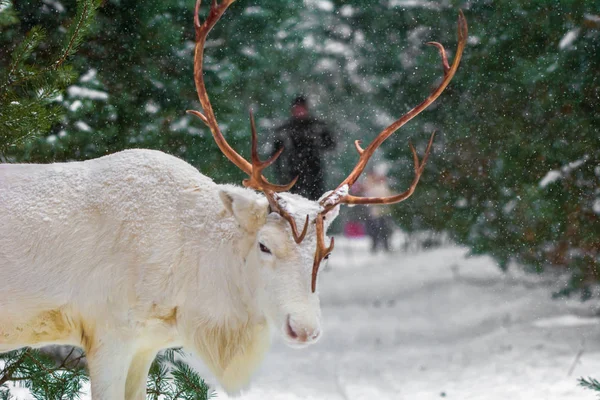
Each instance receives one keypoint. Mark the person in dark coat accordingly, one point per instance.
(305, 139)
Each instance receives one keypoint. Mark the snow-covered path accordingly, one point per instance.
(434, 325)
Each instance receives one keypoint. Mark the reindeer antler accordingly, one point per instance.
(365, 154)
(340, 195)
(419, 168)
(321, 251)
(254, 170)
(256, 181)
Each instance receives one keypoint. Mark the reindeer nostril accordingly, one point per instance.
(290, 331)
(300, 333)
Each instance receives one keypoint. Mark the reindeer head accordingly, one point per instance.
(288, 255)
(284, 262)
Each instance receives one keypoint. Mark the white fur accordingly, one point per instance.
(134, 252)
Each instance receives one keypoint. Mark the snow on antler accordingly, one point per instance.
(335, 196)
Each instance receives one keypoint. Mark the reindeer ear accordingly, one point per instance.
(248, 208)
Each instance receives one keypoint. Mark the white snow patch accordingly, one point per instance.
(382, 118)
(565, 321)
(554, 175)
(56, 4)
(308, 42)
(473, 40)
(183, 124)
(76, 105)
(461, 203)
(41, 92)
(551, 177)
(324, 5)
(592, 18)
(360, 82)
(508, 207)
(281, 34)
(326, 64)
(51, 139)
(336, 47)
(347, 10)
(552, 67)
(334, 196)
(343, 30)
(574, 164)
(415, 36)
(151, 107)
(89, 76)
(85, 93)
(180, 125)
(82, 126)
(157, 84)
(431, 5)
(249, 51)
(5, 6)
(253, 10)
(359, 38)
(568, 39)
(596, 206)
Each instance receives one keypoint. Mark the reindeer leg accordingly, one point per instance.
(135, 386)
(109, 359)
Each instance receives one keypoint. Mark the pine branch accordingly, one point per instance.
(51, 379)
(173, 379)
(71, 44)
(28, 90)
(44, 378)
(86, 10)
(590, 383)
(7, 373)
(20, 54)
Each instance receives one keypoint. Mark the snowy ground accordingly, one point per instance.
(433, 325)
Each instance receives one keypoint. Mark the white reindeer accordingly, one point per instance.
(135, 252)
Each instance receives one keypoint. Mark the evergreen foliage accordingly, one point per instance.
(590, 383)
(516, 169)
(28, 89)
(39, 373)
(50, 379)
(172, 379)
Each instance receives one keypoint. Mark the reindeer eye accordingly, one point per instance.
(264, 248)
(326, 257)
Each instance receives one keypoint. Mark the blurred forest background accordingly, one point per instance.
(515, 169)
